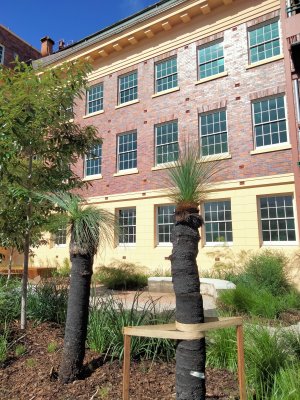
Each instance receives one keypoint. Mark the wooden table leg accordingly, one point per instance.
(126, 367)
(241, 362)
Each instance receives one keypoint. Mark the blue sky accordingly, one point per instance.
(70, 20)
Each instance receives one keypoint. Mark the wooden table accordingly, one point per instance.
(185, 332)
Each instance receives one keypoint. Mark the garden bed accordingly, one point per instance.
(33, 375)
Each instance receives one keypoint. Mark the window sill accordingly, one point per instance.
(124, 245)
(266, 61)
(162, 245)
(92, 177)
(175, 89)
(211, 78)
(60, 246)
(127, 104)
(163, 166)
(218, 244)
(93, 114)
(279, 244)
(127, 172)
(269, 149)
(215, 157)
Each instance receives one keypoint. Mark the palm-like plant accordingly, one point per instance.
(88, 226)
(188, 182)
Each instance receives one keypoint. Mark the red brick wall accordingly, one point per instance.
(234, 91)
(13, 45)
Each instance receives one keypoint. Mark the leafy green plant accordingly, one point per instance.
(287, 383)
(20, 350)
(10, 299)
(47, 301)
(122, 275)
(221, 349)
(4, 344)
(52, 347)
(111, 315)
(64, 270)
(31, 363)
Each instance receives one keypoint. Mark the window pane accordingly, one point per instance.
(219, 230)
(166, 75)
(167, 148)
(127, 151)
(165, 223)
(127, 226)
(95, 99)
(277, 219)
(213, 133)
(264, 42)
(211, 60)
(128, 88)
(93, 161)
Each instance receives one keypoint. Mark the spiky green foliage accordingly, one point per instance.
(88, 226)
(189, 178)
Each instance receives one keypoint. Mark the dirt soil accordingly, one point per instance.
(33, 375)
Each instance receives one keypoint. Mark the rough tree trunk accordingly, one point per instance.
(190, 355)
(77, 318)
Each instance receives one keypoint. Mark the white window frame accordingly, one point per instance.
(126, 244)
(156, 79)
(206, 45)
(217, 244)
(90, 101)
(270, 146)
(119, 87)
(55, 237)
(87, 158)
(214, 134)
(277, 243)
(129, 151)
(158, 243)
(2, 55)
(166, 144)
(257, 26)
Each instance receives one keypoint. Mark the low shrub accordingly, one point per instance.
(10, 299)
(108, 316)
(63, 270)
(122, 276)
(3, 344)
(47, 301)
(287, 383)
(20, 350)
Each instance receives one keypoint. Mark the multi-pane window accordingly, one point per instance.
(127, 225)
(166, 140)
(213, 133)
(1, 54)
(61, 236)
(269, 121)
(264, 42)
(166, 75)
(128, 87)
(93, 161)
(277, 219)
(165, 223)
(218, 222)
(94, 99)
(127, 151)
(210, 60)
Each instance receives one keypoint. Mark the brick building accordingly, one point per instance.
(12, 46)
(217, 73)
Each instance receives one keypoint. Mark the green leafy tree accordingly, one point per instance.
(88, 227)
(39, 142)
(188, 181)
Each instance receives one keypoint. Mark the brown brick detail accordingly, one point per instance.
(213, 106)
(267, 92)
(164, 56)
(263, 18)
(211, 38)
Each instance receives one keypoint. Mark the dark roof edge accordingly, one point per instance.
(117, 27)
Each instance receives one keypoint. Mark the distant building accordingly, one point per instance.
(218, 73)
(12, 46)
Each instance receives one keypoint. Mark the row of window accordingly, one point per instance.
(269, 127)
(276, 222)
(263, 43)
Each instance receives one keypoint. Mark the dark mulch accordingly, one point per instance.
(33, 375)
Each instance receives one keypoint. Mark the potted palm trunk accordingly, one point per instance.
(88, 227)
(188, 182)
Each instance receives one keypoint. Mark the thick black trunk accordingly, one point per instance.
(77, 318)
(190, 355)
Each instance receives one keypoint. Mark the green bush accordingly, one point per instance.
(122, 275)
(3, 345)
(10, 299)
(47, 301)
(262, 288)
(221, 349)
(108, 316)
(63, 270)
(287, 384)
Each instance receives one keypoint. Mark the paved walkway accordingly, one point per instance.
(163, 301)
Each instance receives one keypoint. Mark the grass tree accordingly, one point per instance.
(188, 182)
(88, 227)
